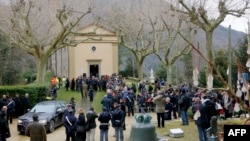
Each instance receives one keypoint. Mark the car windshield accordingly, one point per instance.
(48, 108)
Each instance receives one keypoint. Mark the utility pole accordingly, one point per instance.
(61, 74)
(133, 65)
(56, 68)
(229, 60)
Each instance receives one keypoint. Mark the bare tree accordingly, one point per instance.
(42, 27)
(173, 46)
(133, 26)
(144, 31)
(208, 15)
(219, 76)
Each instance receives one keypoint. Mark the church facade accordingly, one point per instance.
(97, 55)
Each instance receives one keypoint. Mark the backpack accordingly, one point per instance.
(210, 110)
(184, 99)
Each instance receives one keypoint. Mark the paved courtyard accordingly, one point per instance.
(59, 133)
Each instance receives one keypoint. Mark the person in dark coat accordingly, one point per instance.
(67, 84)
(3, 101)
(104, 119)
(201, 121)
(70, 123)
(81, 135)
(91, 116)
(123, 108)
(36, 131)
(72, 84)
(118, 118)
(91, 93)
(26, 103)
(4, 130)
(168, 109)
(66, 112)
(210, 108)
(130, 102)
(174, 101)
(18, 107)
(10, 109)
(133, 87)
(103, 84)
(106, 102)
(184, 104)
(73, 104)
(4, 111)
(141, 103)
(111, 98)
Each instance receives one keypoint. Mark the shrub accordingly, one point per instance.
(37, 93)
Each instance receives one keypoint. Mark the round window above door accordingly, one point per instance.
(93, 48)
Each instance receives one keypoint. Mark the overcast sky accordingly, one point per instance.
(239, 24)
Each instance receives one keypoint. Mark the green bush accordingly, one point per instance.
(37, 93)
(30, 76)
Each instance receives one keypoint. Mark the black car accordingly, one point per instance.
(50, 114)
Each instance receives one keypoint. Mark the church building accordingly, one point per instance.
(97, 55)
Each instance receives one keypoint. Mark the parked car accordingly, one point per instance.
(50, 114)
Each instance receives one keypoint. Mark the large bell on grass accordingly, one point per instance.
(143, 129)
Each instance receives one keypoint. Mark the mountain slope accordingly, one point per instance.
(220, 41)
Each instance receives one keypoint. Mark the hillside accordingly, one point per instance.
(220, 41)
(221, 36)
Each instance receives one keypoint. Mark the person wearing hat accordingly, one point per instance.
(104, 119)
(70, 124)
(117, 120)
(66, 112)
(36, 131)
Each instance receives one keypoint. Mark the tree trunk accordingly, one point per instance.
(41, 69)
(209, 51)
(139, 71)
(169, 73)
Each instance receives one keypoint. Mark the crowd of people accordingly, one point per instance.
(174, 102)
(83, 127)
(11, 107)
(171, 102)
(123, 99)
(16, 106)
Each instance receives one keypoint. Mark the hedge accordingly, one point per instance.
(36, 93)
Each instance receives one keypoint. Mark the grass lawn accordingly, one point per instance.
(97, 101)
(190, 131)
(64, 95)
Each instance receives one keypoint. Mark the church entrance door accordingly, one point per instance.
(94, 70)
